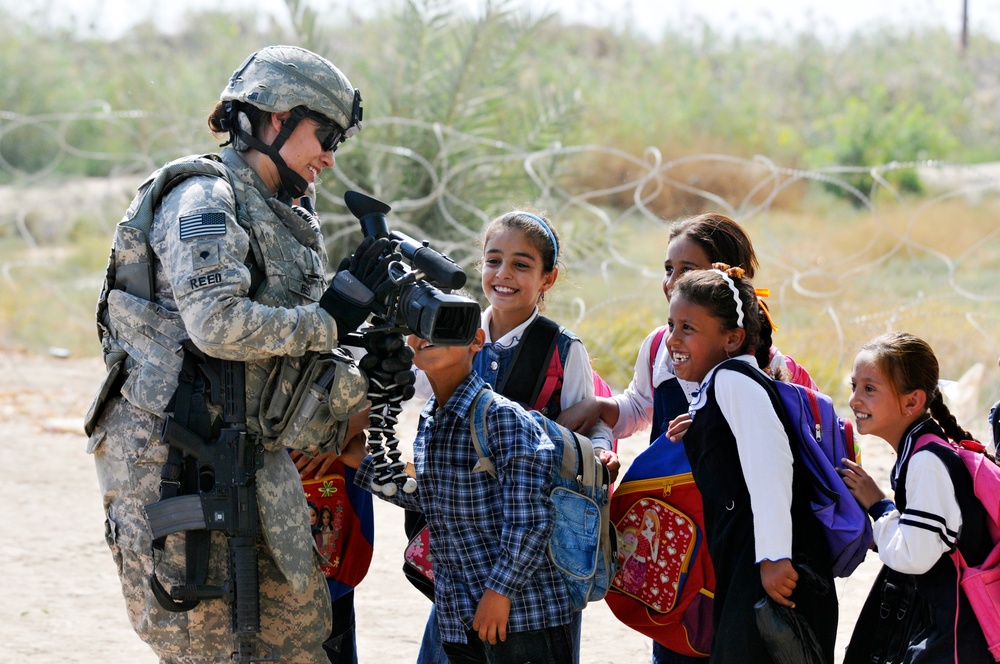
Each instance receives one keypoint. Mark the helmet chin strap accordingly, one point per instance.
(292, 183)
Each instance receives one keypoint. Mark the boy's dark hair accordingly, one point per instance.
(909, 364)
(711, 289)
(723, 240)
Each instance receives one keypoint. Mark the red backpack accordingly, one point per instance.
(345, 525)
(666, 582)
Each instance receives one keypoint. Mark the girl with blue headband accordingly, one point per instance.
(521, 253)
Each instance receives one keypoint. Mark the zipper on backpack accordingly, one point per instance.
(667, 484)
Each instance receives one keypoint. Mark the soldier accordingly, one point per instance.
(224, 269)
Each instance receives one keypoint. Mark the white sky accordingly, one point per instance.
(824, 16)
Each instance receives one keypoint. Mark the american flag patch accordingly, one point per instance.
(202, 225)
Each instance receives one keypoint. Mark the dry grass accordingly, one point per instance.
(838, 277)
(687, 182)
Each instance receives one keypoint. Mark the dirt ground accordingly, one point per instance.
(62, 601)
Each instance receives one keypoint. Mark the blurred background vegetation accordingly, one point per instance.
(829, 151)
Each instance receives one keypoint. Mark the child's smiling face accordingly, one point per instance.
(697, 342)
(513, 272)
(683, 255)
(878, 409)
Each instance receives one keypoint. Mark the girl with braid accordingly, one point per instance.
(895, 396)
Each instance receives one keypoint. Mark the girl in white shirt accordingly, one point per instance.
(757, 514)
(694, 244)
(895, 396)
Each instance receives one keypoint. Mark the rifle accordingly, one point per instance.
(225, 500)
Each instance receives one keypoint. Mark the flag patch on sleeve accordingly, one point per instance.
(203, 225)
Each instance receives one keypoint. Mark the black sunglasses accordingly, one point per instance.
(329, 134)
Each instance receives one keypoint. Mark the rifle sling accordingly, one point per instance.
(180, 476)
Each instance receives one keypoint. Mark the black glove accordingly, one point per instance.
(389, 360)
(360, 280)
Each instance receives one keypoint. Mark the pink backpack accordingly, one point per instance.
(981, 583)
(553, 380)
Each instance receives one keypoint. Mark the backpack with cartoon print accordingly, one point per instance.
(665, 585)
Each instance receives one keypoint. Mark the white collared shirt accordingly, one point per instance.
(765, 455)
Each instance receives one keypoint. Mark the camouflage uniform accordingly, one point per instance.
(202, 292)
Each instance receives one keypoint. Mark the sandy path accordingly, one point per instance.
(62, 601)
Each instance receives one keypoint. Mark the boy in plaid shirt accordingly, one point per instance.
(499, 598)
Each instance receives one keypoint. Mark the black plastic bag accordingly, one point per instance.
(787, 634)
(789, 638)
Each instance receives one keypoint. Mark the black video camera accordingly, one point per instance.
(417, 304)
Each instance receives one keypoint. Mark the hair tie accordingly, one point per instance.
(761, 294)
(547, 229)
(736, 297)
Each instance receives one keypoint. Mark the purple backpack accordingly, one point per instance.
(820, 439)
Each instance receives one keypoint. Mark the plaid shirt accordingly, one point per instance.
(485, 533)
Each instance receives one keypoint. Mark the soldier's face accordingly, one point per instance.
(303, 151)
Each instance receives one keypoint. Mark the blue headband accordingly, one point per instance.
(548, 230)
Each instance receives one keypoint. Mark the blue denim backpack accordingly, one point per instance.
(584, 546)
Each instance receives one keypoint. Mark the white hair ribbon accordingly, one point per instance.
(736, 297)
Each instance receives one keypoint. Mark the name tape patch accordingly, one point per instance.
(203, 225)
(205, 280)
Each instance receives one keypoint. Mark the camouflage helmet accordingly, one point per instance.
(281, 78)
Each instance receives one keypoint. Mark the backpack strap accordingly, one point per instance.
(962, 481)
(523, 382)
(852, 446)
(551, 379)
(477, 425)
(654, 348)
(994, 421)
(572, 455)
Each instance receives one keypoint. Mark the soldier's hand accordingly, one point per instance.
(361, 283)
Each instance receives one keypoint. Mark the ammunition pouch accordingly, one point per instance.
(139, 329)
(307, 401)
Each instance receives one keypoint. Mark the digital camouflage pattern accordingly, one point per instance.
(129, 455)
(202, 292)
(279, 78)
